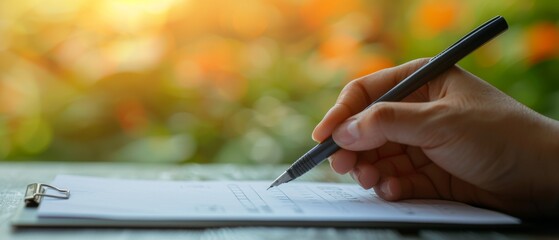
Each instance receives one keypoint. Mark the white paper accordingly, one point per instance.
(104, 198)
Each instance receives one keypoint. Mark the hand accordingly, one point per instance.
(456, 138)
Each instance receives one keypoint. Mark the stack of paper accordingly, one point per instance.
(199, 204)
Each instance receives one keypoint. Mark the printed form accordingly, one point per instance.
(117, 199)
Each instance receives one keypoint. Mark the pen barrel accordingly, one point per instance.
(313, 157)
(444, 60)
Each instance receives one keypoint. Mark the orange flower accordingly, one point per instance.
(434, 16)
(317, 13)
(371, 64)
(218, 61)
(339, 46)
(542, 41)
(131, 115)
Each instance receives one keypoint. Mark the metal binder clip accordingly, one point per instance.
(36, 191)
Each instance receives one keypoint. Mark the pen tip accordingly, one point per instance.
(283, 178)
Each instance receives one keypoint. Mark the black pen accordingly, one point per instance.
(437, 65)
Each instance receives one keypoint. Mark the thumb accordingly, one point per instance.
(410, 123)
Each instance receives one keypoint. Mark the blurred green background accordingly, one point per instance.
(240, 81)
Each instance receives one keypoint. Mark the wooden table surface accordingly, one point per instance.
(14, 177)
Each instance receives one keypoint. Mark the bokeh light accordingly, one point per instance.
(232, 81)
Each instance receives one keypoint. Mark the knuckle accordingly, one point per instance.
(423, 61)
(351, 96)
(344, 107)
(419, 62)
(350, 86)
(382, 112)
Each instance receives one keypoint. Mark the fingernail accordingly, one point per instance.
(312, 137)
(384, 188)
(365, 181)
(348, 132)
(321, 122)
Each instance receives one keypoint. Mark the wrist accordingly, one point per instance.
(548, 198)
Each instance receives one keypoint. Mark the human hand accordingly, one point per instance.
(456, 138)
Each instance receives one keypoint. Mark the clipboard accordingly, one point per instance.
(28, 217)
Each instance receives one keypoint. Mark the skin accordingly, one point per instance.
(456, 138)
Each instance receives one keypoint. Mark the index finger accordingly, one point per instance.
(361, 92)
